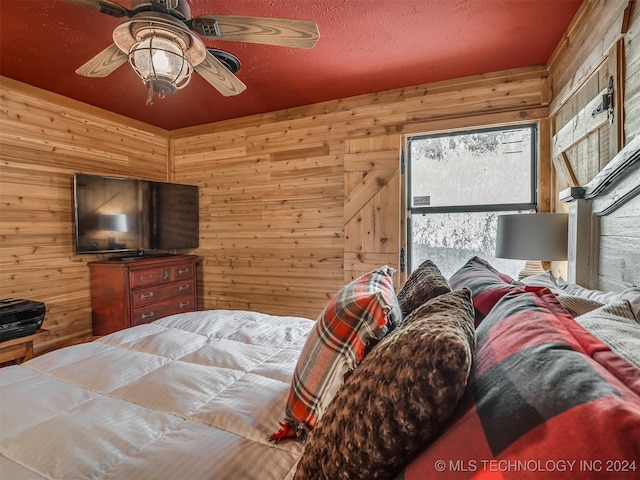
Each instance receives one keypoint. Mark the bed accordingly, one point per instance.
(475, 376)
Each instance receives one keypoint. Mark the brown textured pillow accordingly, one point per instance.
(424, 283)
(399, 396)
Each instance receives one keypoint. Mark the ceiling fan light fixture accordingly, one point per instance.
(161, 64)
(162, 43)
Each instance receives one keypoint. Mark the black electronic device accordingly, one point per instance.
(133, 216)
(20, 318)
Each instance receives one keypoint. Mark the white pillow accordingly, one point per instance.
(632, 295)
(577, 305)
(616, 325)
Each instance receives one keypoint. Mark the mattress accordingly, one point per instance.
(191, 396)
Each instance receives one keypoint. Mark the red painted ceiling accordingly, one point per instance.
(365, 46)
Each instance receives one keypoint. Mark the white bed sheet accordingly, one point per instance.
(192, 396)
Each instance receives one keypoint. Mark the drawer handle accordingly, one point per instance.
(147, 315)
(144, 296)
(180, 271)
(185, 304)
(165, 275)
(183, 287)
(146, 277)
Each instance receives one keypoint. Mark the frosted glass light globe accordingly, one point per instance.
(158, 58)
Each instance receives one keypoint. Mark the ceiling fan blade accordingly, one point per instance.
(214, 72)
(268, 31)
(103, 6)
(103, 63)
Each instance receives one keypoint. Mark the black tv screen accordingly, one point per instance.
(131, 215)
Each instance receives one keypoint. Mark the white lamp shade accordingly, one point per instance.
(533, 236)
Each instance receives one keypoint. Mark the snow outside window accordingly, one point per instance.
(458, 184)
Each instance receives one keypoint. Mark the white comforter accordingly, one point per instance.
(192, 396)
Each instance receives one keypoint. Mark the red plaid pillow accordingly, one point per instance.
(359, 315)
(487, 285)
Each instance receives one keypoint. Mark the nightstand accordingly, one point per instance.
(18, 350)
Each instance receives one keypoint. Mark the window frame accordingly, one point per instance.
(496, 207)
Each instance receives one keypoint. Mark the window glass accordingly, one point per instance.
(458, 186)
(472, 168)
(450, 239)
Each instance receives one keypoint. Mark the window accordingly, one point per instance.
(458, 184)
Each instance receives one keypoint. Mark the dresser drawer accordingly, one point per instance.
(150, 313)
(146, 295)
(149, 276)
(181, 272)
(154, 276)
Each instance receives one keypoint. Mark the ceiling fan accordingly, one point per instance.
(163, 45)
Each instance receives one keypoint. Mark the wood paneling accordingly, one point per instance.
(372, 205)
(278, 230)
(618, 249)
(44, 139)
(597, 46)
(585, 46)
(600, 44)
(270, 211)
(296, 203)
(631, 52)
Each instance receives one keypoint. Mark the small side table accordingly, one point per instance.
(18, 350)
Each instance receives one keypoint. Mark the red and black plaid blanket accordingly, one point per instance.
(546, 399)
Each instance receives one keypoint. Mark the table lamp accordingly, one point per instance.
(534, 237)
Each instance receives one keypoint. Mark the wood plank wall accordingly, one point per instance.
(44, 139)
(296, 203)
(579, 73)
(631, 55)
(274, 236)
(601, 44)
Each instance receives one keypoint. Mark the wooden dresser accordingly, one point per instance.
(129, 292)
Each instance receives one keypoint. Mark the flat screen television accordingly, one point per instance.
(133, 216)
